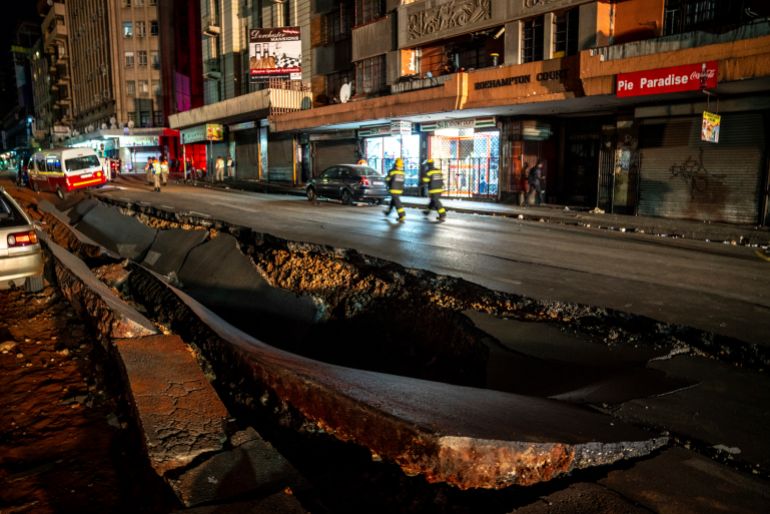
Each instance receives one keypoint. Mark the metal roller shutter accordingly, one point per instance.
(281, 160)
(684, 177)
(246, 155)
(328, 153)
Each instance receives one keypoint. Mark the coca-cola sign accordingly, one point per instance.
(689, 77)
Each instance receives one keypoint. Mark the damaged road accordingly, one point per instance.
(419, 390)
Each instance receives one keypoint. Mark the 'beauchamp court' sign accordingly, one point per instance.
(690, 77)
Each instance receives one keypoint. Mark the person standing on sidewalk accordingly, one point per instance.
(396, 188)
(219, 169)
(230, 167)
(156, 174)
(164, 172)
(535, 182)
(434, 179)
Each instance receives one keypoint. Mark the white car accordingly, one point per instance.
(21, 257)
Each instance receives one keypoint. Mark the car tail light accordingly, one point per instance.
(22, 239)
(365, 181)
(98, 174)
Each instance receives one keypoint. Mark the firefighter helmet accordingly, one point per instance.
(399, 164)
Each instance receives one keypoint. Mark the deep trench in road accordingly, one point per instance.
(376, 315)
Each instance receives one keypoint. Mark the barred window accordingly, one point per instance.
(130, 87)
(370, 75)
(369, 10)
(129, 56)
(532, 39)
(336, 25)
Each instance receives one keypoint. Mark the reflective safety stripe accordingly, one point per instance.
(400, 210)
(441, 211)
(434, 191)
(396, 191)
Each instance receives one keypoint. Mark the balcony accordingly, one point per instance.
(53, 24)
(415, 82)
(212, 69)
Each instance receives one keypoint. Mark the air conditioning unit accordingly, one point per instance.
(211, 29)
(213, 75)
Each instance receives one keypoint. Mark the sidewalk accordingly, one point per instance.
(696, 230)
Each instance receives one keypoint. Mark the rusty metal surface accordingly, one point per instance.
(467, 437)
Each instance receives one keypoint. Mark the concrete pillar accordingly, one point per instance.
(548, 35)
(513, 42)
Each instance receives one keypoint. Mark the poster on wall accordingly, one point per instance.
(275, 53)
(710, 127)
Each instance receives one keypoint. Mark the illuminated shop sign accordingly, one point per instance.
(690, 77)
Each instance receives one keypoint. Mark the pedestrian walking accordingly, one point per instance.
(395, 181)
(156, 174)
(164, 172)
(535, 182)
(230, 167)
(219, 169)
(434, 179)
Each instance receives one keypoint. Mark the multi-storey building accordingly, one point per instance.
(53, 103)
(609, 94)
(251, 54)
(19, 124)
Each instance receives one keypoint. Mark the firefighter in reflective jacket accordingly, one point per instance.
(434, 179)
(396, 188)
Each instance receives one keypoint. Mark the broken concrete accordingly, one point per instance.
(278, 503)
(181, 416)
(251, 467)
(170, 249)
(68, 237)
(220, 276)
(467, 437)
(581, 498)
(123, 235)
(680, 481)
(86, 293)
(698, 415)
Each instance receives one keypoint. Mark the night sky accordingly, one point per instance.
(14, 11)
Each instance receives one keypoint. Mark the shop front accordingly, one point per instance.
(468, 153)
(201, 145)
(330, 148)
(246, 149)
(383, 144)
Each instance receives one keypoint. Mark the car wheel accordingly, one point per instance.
(60, 193)
(346, 197)
(311, 196)
(380, 201)
(34, 284)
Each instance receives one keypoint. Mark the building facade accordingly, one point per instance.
(489, 88)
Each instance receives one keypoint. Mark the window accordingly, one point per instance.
(154, 27)
(532, 44)
(369, 10)
(715, 15)
(142, 54)
(144, 87)
(129, 59)
(82, 163)
(145, 118)
(141, 29)
(157, 118)
(153, 2)
(565, 33)
(128, 29)
(126, 3)
(131, 116)
(155, 59)
(336, 25)
(370, 75)
(138, 3)
(130, 87)
(156, 87)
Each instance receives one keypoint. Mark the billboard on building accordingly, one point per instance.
(275, 53)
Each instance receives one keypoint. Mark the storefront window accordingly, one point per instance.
(470, 162)
(381, 154)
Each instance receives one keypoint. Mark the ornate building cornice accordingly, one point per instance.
(448, 16)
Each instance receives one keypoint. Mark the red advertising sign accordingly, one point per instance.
(690, 77)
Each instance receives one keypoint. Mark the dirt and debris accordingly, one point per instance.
(65, 445)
